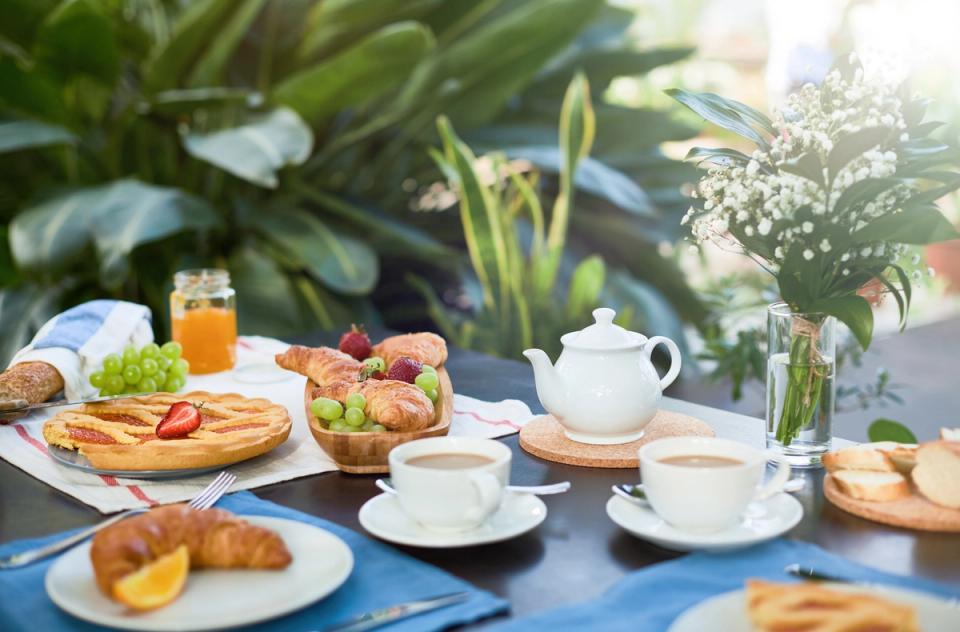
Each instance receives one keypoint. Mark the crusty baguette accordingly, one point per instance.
(215, 539)
(33, 382)
(866, 456)
(872, 485)
(950, 434)
(937, 474)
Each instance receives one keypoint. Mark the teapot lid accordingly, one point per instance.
(603, 334)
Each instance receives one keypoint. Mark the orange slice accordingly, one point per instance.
(156, 584)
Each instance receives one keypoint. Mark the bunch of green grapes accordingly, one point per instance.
(147, 370)
(428, 382)
(353, 419)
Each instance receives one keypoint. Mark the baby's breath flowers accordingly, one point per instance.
(842, 182)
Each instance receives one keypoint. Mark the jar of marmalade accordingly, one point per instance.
(203, 317)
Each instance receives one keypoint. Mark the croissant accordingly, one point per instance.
(323, 365)
(393, 404)
(214, 539)
(425, 347)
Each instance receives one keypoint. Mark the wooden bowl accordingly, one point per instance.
(366, 452)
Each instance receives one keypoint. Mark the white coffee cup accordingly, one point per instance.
(706, 499)
(450, 500)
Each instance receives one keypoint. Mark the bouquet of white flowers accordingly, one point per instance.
(844, 179)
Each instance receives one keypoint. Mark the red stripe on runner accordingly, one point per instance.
(109, 480)
(243, 343)
(492, 422)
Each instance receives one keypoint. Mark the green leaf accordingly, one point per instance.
(806, 166)
(116, 217)
(16, 135)
(131, 213)
(268, 304)
(257, 150)
(187, 101)
(32, 93)
(920, 225)
(853, 311)
(586, 284)
(592, 176)
(342, 263)
(890, 430)
(362, 72)
(196, 27)
(730, 115)
(718, 156)
(852, 146)
(77, 39)
(863, 191)
(209, 68)
(23, 310)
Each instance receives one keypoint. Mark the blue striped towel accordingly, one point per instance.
(76, 341)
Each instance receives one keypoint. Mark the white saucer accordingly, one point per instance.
(519, 513)
(215, 599)
(728, 611)
(763, 520)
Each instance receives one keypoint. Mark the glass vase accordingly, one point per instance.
(801, 389)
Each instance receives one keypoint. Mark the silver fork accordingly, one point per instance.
(204, 500)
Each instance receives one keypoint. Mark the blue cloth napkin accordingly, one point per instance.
(382, 576)
(649, 600)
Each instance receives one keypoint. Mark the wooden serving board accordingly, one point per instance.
(366, 452)
(544, 437)
(913, 512)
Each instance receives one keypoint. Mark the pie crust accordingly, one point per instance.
(121, 434)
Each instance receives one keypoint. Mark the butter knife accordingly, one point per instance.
(21, 406)
(377, 618)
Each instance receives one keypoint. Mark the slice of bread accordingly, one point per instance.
(866, 456)
(937, 474)
(875, 486)
(903, 457)
(950, 434)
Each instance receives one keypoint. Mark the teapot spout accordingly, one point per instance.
(550, 389)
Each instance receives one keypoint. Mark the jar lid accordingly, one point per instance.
(603, 334)
(202, 279)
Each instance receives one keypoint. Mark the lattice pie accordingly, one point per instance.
(121, 434)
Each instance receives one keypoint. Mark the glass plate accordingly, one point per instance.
(74, 459)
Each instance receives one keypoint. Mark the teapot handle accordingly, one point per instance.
(671, 375)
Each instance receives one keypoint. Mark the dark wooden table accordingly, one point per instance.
(578, 552)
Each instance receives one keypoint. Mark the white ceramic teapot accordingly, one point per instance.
(603, 389)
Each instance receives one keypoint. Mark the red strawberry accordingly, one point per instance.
(379, 375)
(182, 419)
(356, 343)
(405, 369)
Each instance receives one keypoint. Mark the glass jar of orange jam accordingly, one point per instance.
(203, 316)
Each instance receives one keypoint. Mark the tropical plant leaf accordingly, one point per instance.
(593, 177)
(603, 65)
(586, 285)
(806, 166)
(210, 66)
(256, 151)
(853, 311)
(32, 93)
(730, 115)
(186, 101)
(77, 39)
(362, 72)
(718, 155)
(23, 310)
(890, 430)
(852, 146)
(863, 191)
(342, 263)
(24, 134)
(115, 217)
(914, 225)
(268, 303)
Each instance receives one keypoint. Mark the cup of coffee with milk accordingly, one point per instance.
(450, 484)
(704, 484)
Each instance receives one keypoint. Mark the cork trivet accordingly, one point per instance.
(912, 512)
(543, 437)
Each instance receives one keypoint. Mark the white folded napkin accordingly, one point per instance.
(22, 443)
(76, 341)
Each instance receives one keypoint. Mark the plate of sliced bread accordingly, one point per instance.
(905, 485)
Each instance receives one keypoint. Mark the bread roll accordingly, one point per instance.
(937, 474)
(875, 486)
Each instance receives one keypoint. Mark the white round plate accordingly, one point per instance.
(728, 612)
(214, 599)
(763, 520)
(519, 513)
(72, 458)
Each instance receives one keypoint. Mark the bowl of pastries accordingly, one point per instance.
(363, 399)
